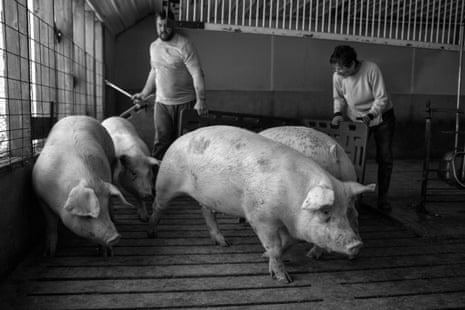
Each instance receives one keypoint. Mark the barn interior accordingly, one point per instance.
(262, 60)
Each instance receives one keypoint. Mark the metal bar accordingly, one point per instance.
(415, 21)
(284, 15)
(426, 21)
(360, 22)
(277, 15)
(243, 13)
(256, 13)
(194, 11)
(348, 18)
(323, 13)
(439, 18)
(310, 16)
(392, 19)
(385, 18)
(222, 11)
(118, 89)
(237, 12)
(271, 14)
(208, 10)
(421, 21)
(455, 22)
(188, 6)
(201, 10)
(459, 88)
(303, 15)
(355, 17)
(403, 22)
(444, 22)
(378, 33)
(229, 11)
(291, 12)
(297, 15)
(432, 21)
(366, 20)
(373, 20)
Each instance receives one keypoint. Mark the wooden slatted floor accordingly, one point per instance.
(184, 269)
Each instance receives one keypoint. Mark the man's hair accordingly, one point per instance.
(343, 55)
(164, 14)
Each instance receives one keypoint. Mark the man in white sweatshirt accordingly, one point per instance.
(177, 78)
(359, 91)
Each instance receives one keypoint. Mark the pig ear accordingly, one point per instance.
(153, 161)
(318, 197)
(82, 201)
(357, 188)
(115, 192)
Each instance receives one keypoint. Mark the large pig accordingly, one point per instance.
(326, 152)
(72, 178)
(135, 175)
(283, 194)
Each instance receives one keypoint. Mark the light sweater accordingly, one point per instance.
(177, 70)
(362, 93)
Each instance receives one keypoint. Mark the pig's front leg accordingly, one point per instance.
(52, 230)
(269, 237)
(315, 252)
(213, 228)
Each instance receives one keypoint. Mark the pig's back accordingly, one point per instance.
(125, 137)
(77, 147)
(315, 145)
(215, 160)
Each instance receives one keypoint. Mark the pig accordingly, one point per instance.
(72, 179)
(326, 152)
(283, 194)
(135, 174)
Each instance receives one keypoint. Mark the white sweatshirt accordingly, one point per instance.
(362, 93)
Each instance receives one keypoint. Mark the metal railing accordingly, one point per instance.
(420, 23)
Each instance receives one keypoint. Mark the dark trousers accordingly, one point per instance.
(384, 134)
(166, 119)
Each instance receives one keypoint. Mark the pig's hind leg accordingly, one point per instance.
(213, 228)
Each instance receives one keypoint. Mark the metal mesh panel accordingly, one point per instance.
(44, 76)
(422, 23)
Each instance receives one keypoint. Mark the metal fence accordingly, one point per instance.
(44, 75)
(421, 23)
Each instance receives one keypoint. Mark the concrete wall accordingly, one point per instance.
(291, 77)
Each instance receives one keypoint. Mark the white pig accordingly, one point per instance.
(135, 174)
(326, 152)
(72, 179)
(283, 194)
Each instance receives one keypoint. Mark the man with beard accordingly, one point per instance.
(177, 78)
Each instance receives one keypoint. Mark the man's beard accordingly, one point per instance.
(165, 36)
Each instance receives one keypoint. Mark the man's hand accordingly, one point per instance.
(337, 119)
(366, 119)
(137, 100)
(201, 108)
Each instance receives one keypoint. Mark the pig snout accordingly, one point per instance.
(353, 247)
(113, 239)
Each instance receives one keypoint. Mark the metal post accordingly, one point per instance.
(457, 114)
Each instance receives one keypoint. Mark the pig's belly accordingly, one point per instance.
(226, 201)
